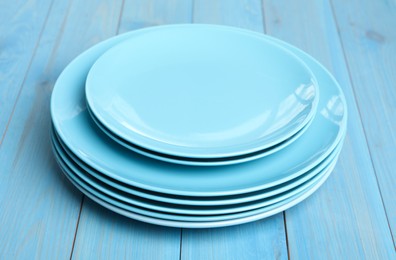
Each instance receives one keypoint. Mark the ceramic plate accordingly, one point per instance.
(200, 161)
(201, 91)
(200, 214)
(81, 135)
(253, 216)
(196, 215)
(71, 160)
(86, 181)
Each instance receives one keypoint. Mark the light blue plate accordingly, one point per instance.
(200, 161)
(269, 211)
(232, 219)
(81, 135)
(72, 162)
(139, 209)
(201, 91)
(81, 176)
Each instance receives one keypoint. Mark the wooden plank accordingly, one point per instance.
(21, 23)
(368, 35)
(239, 13)
(263, 239)
(142, 13)
(39, 210)
(345, 218)
(101, 233)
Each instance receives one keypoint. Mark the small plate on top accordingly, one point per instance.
(80, 134)
(201, 91)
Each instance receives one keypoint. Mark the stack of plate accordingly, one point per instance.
(197, 125)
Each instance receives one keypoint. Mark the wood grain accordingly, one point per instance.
(345, 217)
(103, 234)
(265, 239)
(145, 13)
(39, 210)
(368, 37)
(21, 24)
(42, 216)
(239, 13)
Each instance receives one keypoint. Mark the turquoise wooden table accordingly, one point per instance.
(352, 216)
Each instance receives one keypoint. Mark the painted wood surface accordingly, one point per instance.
(39, 209)
(144, 13)
(42, 216)
(368, 38)
(21, 24)
(352, 190)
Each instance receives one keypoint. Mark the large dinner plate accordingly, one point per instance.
(201, 91)
(254, 215)
(73, 162)
(199, 217)
(81, 135)
(90, 183)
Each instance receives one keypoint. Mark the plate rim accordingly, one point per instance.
(220, 162)
(195, 218)
(205, 224)
(192, 202)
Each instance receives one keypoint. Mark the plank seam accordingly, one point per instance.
(27, 72)
(59, 38)
(360, 117)
(286, 236)
(120, 17)
(181, 243)
(77, 224)
(263, 16)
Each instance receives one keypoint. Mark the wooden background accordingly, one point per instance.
(353, 216)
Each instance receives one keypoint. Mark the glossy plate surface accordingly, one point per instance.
(81, 135)
(201, 91)
(200, 161)
(199, 215)
(72, 161)
(102, 189)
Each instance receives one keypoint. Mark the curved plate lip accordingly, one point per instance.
(160, 207)
(199, 161)
(185, 151)
(168, 214)
(90, 58)
(171, 214)
(205, 224)
(242, 198)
